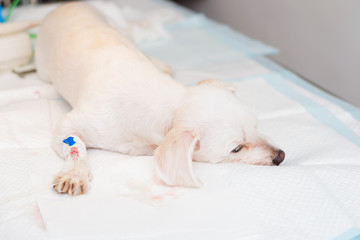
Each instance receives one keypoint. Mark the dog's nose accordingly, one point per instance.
(279, 158)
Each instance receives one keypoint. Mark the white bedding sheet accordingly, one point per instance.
(314, 194)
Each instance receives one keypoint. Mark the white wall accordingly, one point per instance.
(318, 39)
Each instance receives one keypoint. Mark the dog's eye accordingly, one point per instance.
(238, 148)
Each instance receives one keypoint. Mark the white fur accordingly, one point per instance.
(125, 102)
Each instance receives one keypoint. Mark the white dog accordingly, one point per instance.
(123, 101)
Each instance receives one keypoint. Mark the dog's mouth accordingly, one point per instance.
(262, 164)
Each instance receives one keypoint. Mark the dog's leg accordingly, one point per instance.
(162, 66)
(75, 176)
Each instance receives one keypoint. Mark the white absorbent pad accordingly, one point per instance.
(197, 40)
(232, 68)
(314, 194)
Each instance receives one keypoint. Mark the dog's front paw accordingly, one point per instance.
(73, 182)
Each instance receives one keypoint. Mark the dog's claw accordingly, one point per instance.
(90, 176)
(71, 183)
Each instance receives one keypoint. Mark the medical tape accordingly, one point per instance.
(74, 148)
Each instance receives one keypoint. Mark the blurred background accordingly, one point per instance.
(319, 40)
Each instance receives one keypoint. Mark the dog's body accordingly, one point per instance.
(107, 79)
(126, 102)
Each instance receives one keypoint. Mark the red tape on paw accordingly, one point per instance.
(74, 152)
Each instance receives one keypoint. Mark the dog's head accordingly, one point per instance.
(212, 125)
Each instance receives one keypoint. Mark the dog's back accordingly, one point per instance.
(81, 54)
(107, 80)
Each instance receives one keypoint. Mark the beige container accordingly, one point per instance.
(15, 45)
(15, 50)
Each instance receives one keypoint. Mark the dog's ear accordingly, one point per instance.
(174, 158)
(218, 83)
